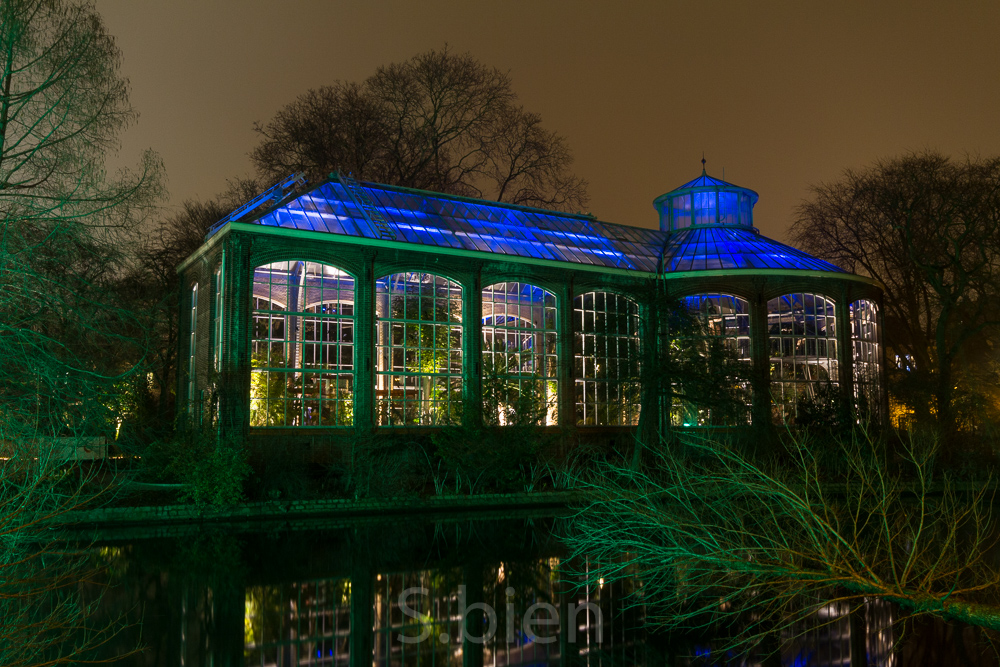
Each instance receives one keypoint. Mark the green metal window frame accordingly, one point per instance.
(218, 320)
(433, 599)
(192, 353)
(716, 317)
(802, 337)
(606, 358)
(302, 346)
(304, 622)
(520, 354)
(867, 357)
(418, 350)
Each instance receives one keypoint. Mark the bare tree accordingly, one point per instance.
(66, 346)
(720, 538)
(438, 121)
(928, 228)
(150, 288)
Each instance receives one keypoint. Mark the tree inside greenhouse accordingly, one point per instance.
(419, 350)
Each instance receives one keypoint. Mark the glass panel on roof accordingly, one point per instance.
(704, 208)
(728, 208)
(681, 211)
(746, 218)
(553, 236)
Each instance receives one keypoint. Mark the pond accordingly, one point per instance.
(472, 590)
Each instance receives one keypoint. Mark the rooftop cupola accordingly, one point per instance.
(706, 201)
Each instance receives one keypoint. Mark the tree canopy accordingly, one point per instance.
(65, 222)
(928, 228)
(66, 345)
(438, 121)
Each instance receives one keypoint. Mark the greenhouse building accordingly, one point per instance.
(321, 309)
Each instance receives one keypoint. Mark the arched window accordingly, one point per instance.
(711, 355)
(867, 358)
(302, 346)
(419, 350)
(802, 332)
(519, 355)
(606, 359)
(192, 353)
(217, 320)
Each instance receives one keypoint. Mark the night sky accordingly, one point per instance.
(780, 94)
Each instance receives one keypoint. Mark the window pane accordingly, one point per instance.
(710, 343)
(302, 346)
(418, 342)
(519, 355)
(606, 359)
(804, 372)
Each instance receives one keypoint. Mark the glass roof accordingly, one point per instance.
(706, 181)
(712, 248)
(430, 219)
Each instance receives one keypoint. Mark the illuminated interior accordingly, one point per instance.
(606, 359)
(867, 360)
(418, 350)
(519, 354)
(302, 346)
(370, 318)
(802, 332)
(718, 331)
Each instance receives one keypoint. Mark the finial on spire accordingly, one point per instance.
(703, 172)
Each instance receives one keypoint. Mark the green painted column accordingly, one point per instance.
(883, 386)
(228, 617)
(760, 354)
(474, 629)
(362, 638)
(845, 353)
(653, 415)
(234, 376)
(564, 355)
(472, 351)
(364, 349)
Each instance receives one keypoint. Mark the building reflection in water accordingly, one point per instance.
(475, 593)
(534, 614)
(499, 614)
(298, 623)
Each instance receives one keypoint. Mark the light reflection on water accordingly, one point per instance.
(422, 593)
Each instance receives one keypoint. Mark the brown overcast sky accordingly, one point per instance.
(780, 94)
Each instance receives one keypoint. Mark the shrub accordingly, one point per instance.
(499, 459)
(381, 467)
(213, 469)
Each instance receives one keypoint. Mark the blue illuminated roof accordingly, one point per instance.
(443, 221)
(714, 248)
(706, 181)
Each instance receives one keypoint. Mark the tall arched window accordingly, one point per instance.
(867, 355)
(606, 359)
(192, 353)
(711, 355)
(802, 332)
(519, 355)
(217, 320)
(302, 347)
(418, 350)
